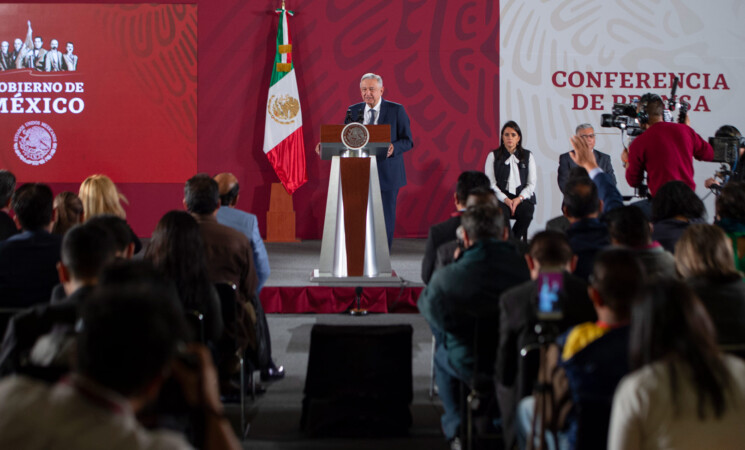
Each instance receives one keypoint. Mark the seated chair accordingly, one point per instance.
(231, 313)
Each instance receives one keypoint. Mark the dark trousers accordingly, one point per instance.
(523, 216)
(389, 212)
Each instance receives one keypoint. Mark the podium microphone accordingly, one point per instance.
(348, 118)
(357, 296)
(361, 116)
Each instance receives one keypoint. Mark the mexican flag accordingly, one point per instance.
(283, 132)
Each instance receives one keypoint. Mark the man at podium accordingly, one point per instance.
(373, 110)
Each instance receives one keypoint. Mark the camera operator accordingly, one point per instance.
(738, 172)
(665, 150)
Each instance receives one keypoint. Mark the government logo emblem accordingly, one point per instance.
(283, 108)
(355, 136)
(35, 143)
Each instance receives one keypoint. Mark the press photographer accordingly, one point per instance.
(665, 150)
(729, 147)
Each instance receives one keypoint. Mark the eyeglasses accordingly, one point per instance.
(587, 136)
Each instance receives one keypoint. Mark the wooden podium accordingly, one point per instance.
(354, 249)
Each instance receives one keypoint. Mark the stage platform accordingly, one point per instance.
(290, 291)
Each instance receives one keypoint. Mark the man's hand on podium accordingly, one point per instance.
(318, 149)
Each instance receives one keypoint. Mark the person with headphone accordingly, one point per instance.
(738, 171)
(665, 150)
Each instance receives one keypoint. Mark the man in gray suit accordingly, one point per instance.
(586, 132)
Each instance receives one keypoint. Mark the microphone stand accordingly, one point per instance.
(357, 296)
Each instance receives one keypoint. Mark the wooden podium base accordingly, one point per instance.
(280, 219)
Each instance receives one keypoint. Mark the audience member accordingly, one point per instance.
(461, 304)
(629, 227)
(86, 249)
(120, 230)
(176, 249)
(684, 393)
(674, 208)
(730, 216)
(566, 164)
(100, 196)
(123, 244)
(449, 251)
(443, 232)
(69, 212)
(28, 260)
(594, 355)
(7, 187)
(129, 342)
(549, 252)
(242, 221)
(704, 259)
(585, 199)
(587, 234)
(230, 259)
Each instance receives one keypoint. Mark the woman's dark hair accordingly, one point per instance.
(519, 150)
(69, 211)
(177, 250)
(675, 198)
(670, 325)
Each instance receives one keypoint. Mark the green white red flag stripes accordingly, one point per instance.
(283, 131)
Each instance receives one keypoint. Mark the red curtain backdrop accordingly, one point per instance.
(438, 58)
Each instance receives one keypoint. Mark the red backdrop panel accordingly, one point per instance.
(133, 114)
(438, 58)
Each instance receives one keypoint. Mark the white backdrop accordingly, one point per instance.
(547, 49)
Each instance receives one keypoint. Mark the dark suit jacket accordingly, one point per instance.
(438, 234)
(566, 165)
(7, 226)
(391, 171)
(517, 319)
(28, 268)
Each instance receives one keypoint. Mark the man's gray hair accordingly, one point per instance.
(373, 76)
(583, 126)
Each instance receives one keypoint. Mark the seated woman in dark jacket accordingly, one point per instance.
(512, 172)
(704, 258)
(176, 249)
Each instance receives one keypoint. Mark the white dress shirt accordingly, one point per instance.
(377, 112)
(513, 182)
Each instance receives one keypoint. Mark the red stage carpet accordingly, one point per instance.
(329, 300)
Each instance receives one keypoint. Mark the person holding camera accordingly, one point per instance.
(549, 252)
(665, 150)
(737, 172)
